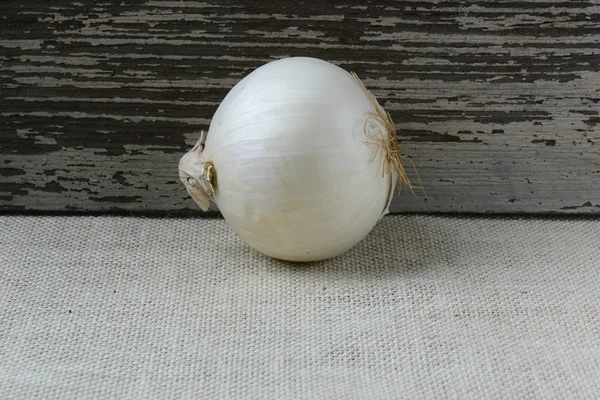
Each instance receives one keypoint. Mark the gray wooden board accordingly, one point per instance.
(496, 101)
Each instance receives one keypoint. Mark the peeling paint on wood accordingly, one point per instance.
(497, 102)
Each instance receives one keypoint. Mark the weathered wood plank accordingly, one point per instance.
(496, 101)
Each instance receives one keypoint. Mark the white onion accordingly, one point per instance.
(300, 159)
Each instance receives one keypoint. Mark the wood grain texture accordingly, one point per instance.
(496, 101)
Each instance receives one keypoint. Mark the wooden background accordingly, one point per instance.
(496, 101)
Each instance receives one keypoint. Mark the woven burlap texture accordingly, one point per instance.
(427, 307)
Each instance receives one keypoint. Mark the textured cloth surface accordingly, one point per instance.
(425, 307)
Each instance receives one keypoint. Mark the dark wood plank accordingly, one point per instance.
(496, 101)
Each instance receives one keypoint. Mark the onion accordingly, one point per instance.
(300, 159)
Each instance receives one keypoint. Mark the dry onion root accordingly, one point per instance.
(387, 142)
(287, 162)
